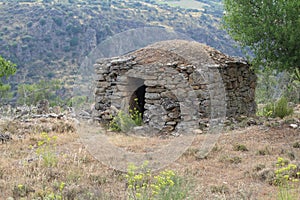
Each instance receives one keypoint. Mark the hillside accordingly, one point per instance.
(49, 39)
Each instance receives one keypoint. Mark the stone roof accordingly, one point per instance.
(182, 52)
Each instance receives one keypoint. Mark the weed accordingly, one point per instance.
(125, 122)
(21, 190)
(96, 179)
(46, 150)
(73, 177)
(136, 115)
(263, 152)
(232, 160)
(259, 167)
(216, 148)
(223, 189)
(2, 172)
(296, 145)
(291, 155)
(191, 152)
(286, 175)
(235, 160)
(50, 194)
(240, 147)
(121, 122)
(279, 108)
(144, 185)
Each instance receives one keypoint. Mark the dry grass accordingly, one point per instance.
(137, 144)
(225, 174)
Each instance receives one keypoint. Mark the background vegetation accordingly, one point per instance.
(49, 39)
(268, 32)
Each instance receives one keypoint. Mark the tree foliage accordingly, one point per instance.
(30, 94)
(7, 69)
(270, 28)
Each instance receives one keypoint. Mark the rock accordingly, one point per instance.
(167, 128)
(197, 131)
(251, 122)
(169, 104)
(5, 138)
(174, 114)
(152, 96)
(294, 126)
(43, 106)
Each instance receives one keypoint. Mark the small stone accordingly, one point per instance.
(168, 104)
(197, 131)
(174, 115)
(294, 126)
(171, 123)
(152, 96)
(168, 128)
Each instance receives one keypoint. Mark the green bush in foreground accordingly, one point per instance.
(287, 178)
(279, 108)
(124, 122)
(46, 150)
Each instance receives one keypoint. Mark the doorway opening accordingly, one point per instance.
(137, 100)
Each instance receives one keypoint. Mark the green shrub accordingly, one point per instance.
(271, 85)
(124, 122)
(240, 147)
(136, 116)
(5, 94)
(278, 109)
(30, 94)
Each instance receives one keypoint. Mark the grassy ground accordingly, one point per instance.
(57, 164)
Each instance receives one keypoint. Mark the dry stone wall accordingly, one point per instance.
(174, 83)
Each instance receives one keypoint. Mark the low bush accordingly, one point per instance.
(287, 178)
(279, 108)
(125, 122)
(142, 184)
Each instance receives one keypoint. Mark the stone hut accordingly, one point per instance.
(174, 81)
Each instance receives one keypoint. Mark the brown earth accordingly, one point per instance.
(225, 173)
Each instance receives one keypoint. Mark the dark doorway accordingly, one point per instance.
(137, 100)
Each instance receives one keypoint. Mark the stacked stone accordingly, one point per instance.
(240, 84)
(108, 92)
(162, 108)
(175, 91)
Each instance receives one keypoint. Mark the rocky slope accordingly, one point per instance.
(50, 39)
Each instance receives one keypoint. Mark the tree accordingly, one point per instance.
(270, 28)
(7, 69)
(30, 94)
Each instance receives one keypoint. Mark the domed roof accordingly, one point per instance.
(181, 51)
